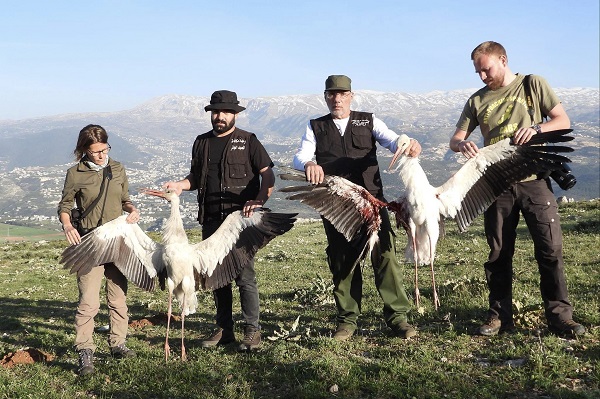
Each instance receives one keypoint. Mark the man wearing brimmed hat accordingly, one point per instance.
(344, 141)
(224, 100)
(231, 171)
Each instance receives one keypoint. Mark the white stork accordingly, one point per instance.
(354, 212)
(212, 263)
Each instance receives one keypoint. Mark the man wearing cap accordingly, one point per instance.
(344, 141)
(231, 171)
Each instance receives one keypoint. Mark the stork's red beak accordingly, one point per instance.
(156, 193)
(394, 159)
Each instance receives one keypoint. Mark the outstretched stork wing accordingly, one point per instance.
(484, 177)
(126, 245)
(229, 249)
(350, 208)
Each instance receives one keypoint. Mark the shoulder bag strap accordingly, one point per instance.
(529, 98)
(108, 175)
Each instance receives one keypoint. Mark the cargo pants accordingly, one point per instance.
(89, 304)
(537, 203)
(348, 283)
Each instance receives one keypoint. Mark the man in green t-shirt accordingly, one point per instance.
(500, 110)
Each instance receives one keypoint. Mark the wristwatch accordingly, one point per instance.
(537, 128)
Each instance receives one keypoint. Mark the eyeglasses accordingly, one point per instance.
(97, 153)
(343, 94)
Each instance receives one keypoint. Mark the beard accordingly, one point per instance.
(494, 85)
(337, 113)
(340, 112)
(221, 126)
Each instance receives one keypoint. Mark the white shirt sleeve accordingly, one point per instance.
(386, 137)
(308, 147)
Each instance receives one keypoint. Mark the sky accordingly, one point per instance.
(59, 57)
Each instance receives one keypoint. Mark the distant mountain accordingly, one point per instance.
(154, 139)
(177, 119)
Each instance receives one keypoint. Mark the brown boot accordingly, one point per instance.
(566, 328)
(403, 330)
(219, 337)
(493, 326)
(343, 332)
(251, 339)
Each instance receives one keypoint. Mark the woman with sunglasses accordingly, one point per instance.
(98, 179)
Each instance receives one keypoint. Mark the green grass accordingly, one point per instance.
(12, 233)
(298, 358)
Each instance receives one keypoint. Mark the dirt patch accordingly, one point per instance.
(25, 356)
(14, 238)
(159, 319)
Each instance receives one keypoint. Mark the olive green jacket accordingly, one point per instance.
(82, 186)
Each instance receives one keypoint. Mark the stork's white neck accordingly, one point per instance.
(411, 173)
(174, 231)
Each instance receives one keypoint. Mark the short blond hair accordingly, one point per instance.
(487, 48)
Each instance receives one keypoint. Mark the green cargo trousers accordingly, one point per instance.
(347, 290)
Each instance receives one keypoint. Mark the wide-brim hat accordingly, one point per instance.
(338, 82)
(224, 100)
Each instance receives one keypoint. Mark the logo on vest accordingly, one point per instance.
(360, 122)
(238, 144)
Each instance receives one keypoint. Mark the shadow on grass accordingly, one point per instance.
(22, 318)
(200, 380)
(48, 324)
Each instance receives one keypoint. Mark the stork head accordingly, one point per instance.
(401, 210)
(167, 194)
(403, 143)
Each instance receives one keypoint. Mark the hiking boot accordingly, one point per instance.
(86, 361)
(403, 330)
(566, 327)
(121, 352)
(219, 337)
(343, 332)
(493, 326)
(251, 339)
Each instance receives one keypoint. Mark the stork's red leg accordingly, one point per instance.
(183, 354)
(436, 300)
(167, 348)
(417, 293)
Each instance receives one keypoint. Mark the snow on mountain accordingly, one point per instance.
(173, 121)
(154, 140)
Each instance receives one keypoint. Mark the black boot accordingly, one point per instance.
(121, 352)
(86, 362)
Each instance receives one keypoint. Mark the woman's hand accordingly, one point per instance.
(133, 217)
(71, 234)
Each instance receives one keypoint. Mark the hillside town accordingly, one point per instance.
(154, 141)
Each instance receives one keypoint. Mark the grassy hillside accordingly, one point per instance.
(12, 233)
(299, 359)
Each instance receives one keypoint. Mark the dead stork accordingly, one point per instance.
(354, 212)
(212, 263)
